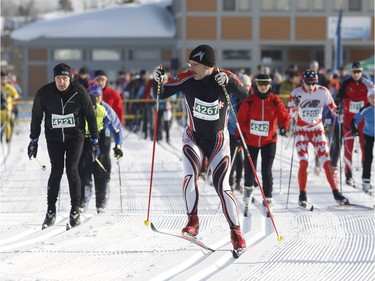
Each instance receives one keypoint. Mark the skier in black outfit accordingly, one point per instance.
(65, 106)
(206, 133)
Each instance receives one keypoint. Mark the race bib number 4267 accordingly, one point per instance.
(206, 110)
(63, 121)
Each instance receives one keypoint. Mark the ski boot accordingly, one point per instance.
(270, 203)
(366, 185)
(349, 179)
(49, 219)
(192, 227)
(302, 199)
(341, 200)
(248, 194)
(74, 217)
(238, 241)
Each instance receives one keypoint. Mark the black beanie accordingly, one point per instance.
(62, 69)
(99, 72)
(203, 54)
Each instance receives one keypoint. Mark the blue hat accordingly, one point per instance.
(95, 90)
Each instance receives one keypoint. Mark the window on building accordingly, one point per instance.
(144, 55)
(275, 5)
(229, 5)
(239, 5)
(67, 54)
(339, 4)
(275, 55)
(236, 55)
(306, 5)
(355, 5)
(105, 55)
(371, 5)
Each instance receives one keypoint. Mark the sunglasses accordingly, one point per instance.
(263, 83)
(356, 71)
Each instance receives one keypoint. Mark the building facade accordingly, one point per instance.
(244, 34)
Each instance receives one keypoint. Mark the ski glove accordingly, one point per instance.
(338, 110)
(158, 74)
(95, 149)
(282, 131)
(32, 149)
(297, 100)
(354, 129)
(118, 152)
(222, 78)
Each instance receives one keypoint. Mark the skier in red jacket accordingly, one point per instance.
(258, 117)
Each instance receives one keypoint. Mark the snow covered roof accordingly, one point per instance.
(130, 21)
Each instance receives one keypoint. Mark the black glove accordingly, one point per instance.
(338, 110)
(297, 100)
(32, 149)
(354, 129)
(283, 131)
(95, 149)
(118, 152)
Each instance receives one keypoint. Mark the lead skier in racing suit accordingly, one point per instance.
(206, 133)
(307, 103)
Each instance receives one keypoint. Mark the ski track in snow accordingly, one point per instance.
(330, 243)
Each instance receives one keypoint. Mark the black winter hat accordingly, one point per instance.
(83, 70)
(62, 69)
(263, 78)
(203, 54)
(3, 74)
(99, 72)
(357, 66)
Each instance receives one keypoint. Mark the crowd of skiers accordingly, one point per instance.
(81, 114)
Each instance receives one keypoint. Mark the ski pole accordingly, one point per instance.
(281, 162)
(234, 158)
(291, 162)
(119, 179)
(156, 121)
(279, 237)
(340, 146)
(100, 164)
(40, 163)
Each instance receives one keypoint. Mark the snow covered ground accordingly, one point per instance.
(330, 243)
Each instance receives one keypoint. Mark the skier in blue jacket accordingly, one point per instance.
(366, 113)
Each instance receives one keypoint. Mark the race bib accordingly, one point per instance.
(206, 110)
(310, 112)
(355, 106)
(63, 121)
(259, 128)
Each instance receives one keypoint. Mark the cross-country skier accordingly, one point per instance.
(206, 133)
(258, 117)
(307, 103)
(106, 119)
(65, 106)
(367, 114)
(353, 96)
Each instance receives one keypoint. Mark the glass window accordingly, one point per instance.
(102, 54)
(339, 4)
(275, 5)
(229, 5)
(355, 5)
(244, 5)
(317, 5)
(371, 5)
(67, 54)
(302, 5)
(144, 55)
(236, 55)
(274, 54)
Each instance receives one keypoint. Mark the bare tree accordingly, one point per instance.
(66, 5)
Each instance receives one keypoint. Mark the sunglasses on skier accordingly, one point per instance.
(263, 83)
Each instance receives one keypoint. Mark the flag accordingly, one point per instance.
(338, 52)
